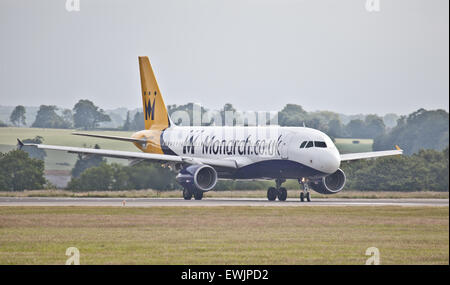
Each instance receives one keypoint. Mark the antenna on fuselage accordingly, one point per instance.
(304, 125)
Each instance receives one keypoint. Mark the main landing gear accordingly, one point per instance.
(277, 192)
(189, 192)
(305, 194)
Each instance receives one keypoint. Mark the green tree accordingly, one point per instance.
(127, 124)
(374, 126)
(356, 128)
(292, 115)
(95, 178)
(390, 120)
(87, 115)
(324, 116)
(335, 129)
(145, 175)
(17, 116)
(48, 118)
(33, 151)
(420, 130)
(425, 170)
(174, 112)
(138, 122)
(19, 172)
(84, 163)
(150, 175)
(67, 117)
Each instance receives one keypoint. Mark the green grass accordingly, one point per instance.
(57, 160)
(351, 194)
(224, 235)
(347, 145)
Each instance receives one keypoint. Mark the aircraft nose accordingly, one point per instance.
(333, 162)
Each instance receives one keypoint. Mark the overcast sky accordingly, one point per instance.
(256, 54)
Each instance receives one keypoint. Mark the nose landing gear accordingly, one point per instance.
(305, 194)
(277, 192)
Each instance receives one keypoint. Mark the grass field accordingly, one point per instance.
(348, 145)
(224, 235)
(224, 194)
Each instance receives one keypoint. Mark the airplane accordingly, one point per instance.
(203, 154)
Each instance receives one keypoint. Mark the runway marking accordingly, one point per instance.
(209, 202)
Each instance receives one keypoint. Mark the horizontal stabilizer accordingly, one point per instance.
(112, 137)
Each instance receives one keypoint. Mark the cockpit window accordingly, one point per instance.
(309, 144)
(320, 144)
(303, 144)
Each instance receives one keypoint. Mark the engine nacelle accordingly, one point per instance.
(200, 176)
(330, 184)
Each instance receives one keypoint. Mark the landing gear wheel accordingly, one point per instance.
(272, 194)
(308, 196)
(198, 195)
(282, 194)
(305, 194)
(187, 194)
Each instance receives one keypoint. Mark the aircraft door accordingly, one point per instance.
(284, 145)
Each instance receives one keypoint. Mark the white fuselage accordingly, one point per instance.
(270, 148)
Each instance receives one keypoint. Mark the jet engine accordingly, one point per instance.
(200, 176)
(330, 184)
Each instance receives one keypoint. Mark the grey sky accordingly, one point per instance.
(256, 54)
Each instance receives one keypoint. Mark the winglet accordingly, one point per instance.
(19, 143)
(397, 147)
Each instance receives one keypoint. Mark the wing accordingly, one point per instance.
(227, 163)
(373, 154)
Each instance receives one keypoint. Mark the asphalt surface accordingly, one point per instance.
(179, 202)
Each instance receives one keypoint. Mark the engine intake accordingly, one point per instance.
(199, 176)
(330, 184)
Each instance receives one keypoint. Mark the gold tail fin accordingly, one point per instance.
(155, 112)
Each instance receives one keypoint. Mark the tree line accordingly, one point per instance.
(424, 170)
(420, 130)
(84, 115)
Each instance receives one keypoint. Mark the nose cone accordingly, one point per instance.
(332, 162)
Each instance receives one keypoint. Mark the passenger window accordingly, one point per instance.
(303, 144)
(320, 144)
(310, 144)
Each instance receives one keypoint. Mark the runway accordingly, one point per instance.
(211, 202)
